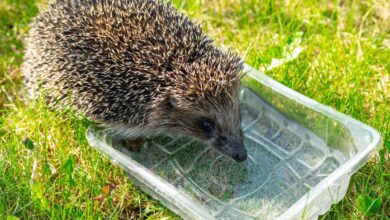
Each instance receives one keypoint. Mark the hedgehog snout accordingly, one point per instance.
(235, 149)
(239, 152)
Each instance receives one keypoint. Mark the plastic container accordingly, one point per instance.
(301, 157)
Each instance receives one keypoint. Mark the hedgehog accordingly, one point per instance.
(138, 66)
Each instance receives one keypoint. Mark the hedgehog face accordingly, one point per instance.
(212, 118)
(222, 138)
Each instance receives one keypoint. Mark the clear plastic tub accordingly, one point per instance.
(301, 157)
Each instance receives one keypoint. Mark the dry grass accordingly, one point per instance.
(345, 64)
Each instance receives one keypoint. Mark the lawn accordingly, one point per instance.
(47, 169)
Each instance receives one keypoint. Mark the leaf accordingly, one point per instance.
(71, 181)
(68, 166)
(368, 205)
(100, 198)
(106, 191)
(29, 144)
(37, 194)
(37, 191)
(11, 217)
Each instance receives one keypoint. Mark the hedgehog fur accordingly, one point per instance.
(135, 64)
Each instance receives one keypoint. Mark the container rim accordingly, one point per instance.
(151, 183)
(350, 165)
(182, 204)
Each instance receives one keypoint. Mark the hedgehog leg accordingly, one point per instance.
(130, 138)
(133, 144)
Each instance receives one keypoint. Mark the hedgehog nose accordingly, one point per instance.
(240, 157)
(240, 154)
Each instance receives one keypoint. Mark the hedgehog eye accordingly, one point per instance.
(206, 125)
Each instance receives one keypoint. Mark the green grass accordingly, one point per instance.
(47, 168)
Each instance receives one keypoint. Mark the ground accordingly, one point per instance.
(47, 169)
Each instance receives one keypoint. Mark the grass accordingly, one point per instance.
(47, 169)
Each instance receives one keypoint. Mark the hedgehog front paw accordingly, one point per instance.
(133, 144)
